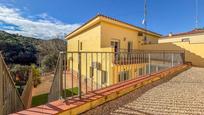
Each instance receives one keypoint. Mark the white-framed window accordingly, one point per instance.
(130, 46)
(103, 77)
(96, 65)
(140, 71)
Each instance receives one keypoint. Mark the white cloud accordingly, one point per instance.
(41, 26)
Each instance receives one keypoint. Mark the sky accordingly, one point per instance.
(48, 19)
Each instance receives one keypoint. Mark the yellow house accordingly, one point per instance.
(104, 35)
(191, 42)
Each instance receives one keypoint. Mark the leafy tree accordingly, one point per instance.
(49, 62)
(17, 53)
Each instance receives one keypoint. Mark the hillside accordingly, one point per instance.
(18, 49)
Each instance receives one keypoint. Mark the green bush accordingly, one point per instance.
(21, 71)
(36, 75)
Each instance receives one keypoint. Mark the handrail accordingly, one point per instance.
(27, 92)
(132, 51)
(56, 88)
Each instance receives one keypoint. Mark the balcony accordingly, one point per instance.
(125, 57)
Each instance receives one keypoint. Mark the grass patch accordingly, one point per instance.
(40, 99)
(69, 91)
(43, 98)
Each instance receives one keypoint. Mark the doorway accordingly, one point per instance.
(116, 48)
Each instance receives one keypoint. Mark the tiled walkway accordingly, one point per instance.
(184, 94)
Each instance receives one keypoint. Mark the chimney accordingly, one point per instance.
(170, 34)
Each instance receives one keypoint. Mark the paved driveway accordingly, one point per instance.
(184, 94)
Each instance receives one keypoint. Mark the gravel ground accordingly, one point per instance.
(177, 95)
(184, 94)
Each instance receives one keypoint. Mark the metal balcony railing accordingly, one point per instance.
(141, 56)
(90, 71)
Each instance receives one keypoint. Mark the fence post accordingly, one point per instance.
(79, 75)
(27, 92)
(1, 87)
(61, 75)
(163, 57)
(157, 68)
(149, 63)
(65, 73)
(172, 60)
(183, 57)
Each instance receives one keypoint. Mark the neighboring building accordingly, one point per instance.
(194, 36)
(105, 34)
(191, 42)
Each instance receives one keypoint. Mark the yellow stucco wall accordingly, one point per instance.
(193, 51)
(124, 35)
(114, 32)
(133, 71)
(90, 40)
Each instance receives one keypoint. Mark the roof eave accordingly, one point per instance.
(85, 26)
(99, 18)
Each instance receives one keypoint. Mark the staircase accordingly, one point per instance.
(10, 100)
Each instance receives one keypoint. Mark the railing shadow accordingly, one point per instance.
(110, 107)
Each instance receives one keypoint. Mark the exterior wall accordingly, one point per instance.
(90, 40)
(133, 71)
(193, 51)
(114, 32)
(123, 35)
(105, 63)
